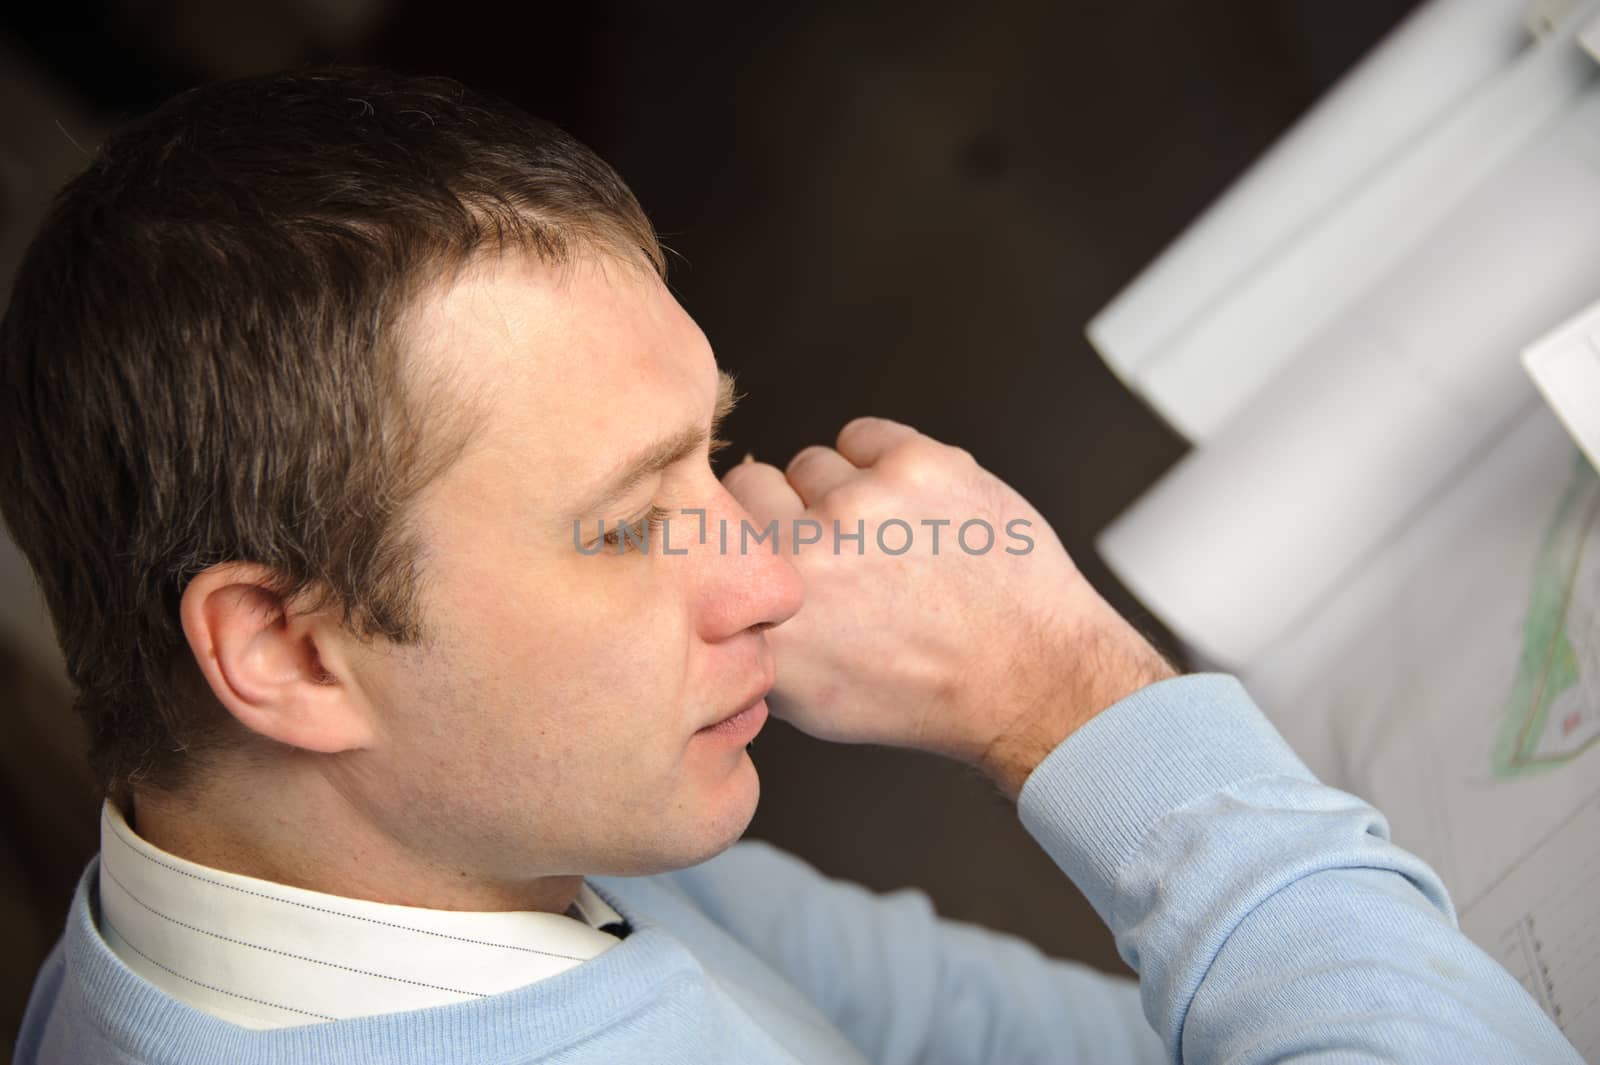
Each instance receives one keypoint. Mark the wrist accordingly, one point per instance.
(1102, 665)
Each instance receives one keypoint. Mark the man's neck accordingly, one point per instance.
(327, 847)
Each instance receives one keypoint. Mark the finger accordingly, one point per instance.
(763, 491)
(865, 440)
(817, 470)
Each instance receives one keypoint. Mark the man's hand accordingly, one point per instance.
(989, 647)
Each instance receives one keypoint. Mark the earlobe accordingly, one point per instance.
(277, 672)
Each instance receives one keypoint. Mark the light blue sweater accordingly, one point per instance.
(1268, 917)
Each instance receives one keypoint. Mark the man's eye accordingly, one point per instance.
(641, 531)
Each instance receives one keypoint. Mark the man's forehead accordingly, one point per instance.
(518, 310)
(582, 367)
(656, 455)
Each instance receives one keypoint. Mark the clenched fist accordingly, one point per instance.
(941, 611)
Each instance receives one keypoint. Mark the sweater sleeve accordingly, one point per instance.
(907, 986)
(1269, 917)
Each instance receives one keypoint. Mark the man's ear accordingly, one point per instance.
(282, 674)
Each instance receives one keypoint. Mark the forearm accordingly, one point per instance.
(1268, 916)
(909, 987)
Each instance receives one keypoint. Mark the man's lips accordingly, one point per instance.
(740, 728)
(749, 702)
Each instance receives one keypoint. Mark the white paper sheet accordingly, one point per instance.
(1208, 326)
(1439, 55)
(1251, 532)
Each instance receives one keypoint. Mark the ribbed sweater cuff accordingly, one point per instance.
(1092, 800)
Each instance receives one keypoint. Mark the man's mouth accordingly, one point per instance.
(748, 716)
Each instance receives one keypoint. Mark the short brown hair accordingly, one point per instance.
(200, 363)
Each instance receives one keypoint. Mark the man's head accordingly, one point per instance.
(302, 387)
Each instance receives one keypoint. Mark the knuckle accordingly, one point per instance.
(805, 456)
(919, 462)
(864, 424)
(855, 425)
(736, 475)
(742, 478)
(852, 497)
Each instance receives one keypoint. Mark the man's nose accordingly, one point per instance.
(745, 583)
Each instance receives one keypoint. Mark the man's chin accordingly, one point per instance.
(728, 814)
(698, 831)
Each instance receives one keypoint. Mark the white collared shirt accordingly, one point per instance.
(266, 955)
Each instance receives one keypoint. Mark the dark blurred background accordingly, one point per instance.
(909, 210)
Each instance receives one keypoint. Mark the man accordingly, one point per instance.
(363, 457)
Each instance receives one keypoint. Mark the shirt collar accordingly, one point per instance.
(267, 955)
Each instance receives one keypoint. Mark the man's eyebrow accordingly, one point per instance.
(670, 449)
